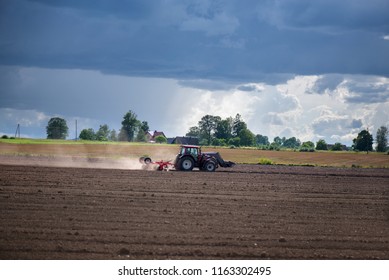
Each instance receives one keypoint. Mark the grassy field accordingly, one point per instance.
(44, 147)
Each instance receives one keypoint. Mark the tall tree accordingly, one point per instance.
(207, 126)
(291, 142)
(337, 147)
(321, 145)
(144, 126)
(103, 133)
(130, 126)
(140, 136)
(277, 140)
(382, 139)
(247, 138)
(262, 140)
(123, 135)
(364, 141)
(113, 136)
(223, 129)
(237, 125)
(143, 129)
(194, 131)
(57, 128)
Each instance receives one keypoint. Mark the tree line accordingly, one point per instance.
(132, 130)
(215, 131)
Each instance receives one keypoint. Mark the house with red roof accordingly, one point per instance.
(151, 135)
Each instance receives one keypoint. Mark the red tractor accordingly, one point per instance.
(190, 157)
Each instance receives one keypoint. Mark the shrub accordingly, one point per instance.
(160, 139)
(265, 161)
(274, 147)
(234, 141)
(337, 147)
(307, 147)
(262, 147)
(222, 142)
(4, 137)
(87, 134)
(219, 142)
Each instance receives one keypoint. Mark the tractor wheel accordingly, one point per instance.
(145, 160)
(186, 164)
(209, 166)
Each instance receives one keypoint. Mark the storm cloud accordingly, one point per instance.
(300, 68)
(197, 39)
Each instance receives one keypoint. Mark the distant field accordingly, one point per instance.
(88, 149)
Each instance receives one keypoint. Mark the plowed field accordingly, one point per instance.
(247, 212)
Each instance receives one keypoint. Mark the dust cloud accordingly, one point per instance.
(71, 161)
(81, 156)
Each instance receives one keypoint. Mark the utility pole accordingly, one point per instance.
(17, 132)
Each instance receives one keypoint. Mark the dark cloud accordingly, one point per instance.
(197, 39)
(367, 90)
(327, 15)
(207, 84)
(373, 86)
(360, 89)
(327, 82)
(336, 125)
(86, 94)
(356, 123)
(123, 8)
(247, 88)
(330, 125)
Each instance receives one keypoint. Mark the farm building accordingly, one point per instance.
(184, 140)
(151, 135)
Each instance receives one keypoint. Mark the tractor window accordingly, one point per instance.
(194, 152)
(191, 151)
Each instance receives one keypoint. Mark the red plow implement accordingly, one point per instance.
(161, 165)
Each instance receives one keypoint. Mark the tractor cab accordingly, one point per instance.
(191, 150)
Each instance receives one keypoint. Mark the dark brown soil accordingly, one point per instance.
(247, 212)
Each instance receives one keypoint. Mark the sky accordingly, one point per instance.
(312, 69)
